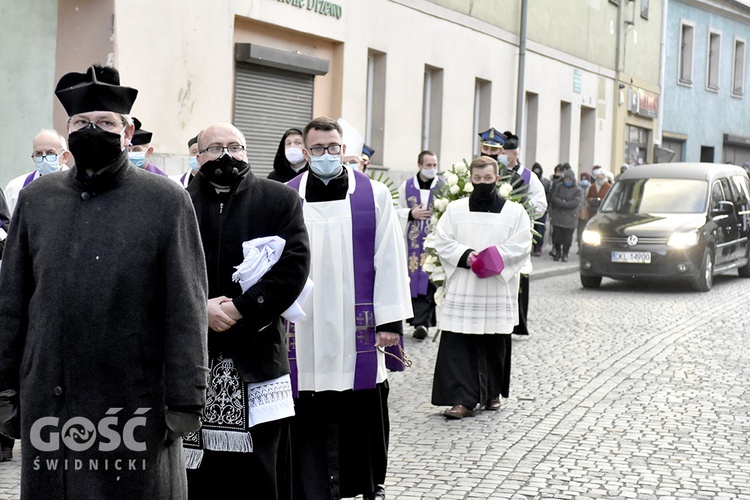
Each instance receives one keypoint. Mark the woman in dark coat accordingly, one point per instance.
(289, 162)
(564, 204)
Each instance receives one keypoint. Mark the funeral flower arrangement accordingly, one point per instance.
(458, 185)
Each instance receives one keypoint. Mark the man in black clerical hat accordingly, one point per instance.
(103, 315)
(140, 149)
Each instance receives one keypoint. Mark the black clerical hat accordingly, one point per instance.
(511, 140)
(84, 92)
(140, 136)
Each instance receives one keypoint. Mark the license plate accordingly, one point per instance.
(632, 257)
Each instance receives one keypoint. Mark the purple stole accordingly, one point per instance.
(362, 203)
(153, 169)
(525, 174)
(415, 235)
(28, 179)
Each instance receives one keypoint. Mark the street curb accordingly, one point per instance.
(549, 273)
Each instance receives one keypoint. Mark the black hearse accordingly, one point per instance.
(685, 221)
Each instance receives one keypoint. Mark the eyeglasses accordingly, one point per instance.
(52, 158)
(104, 124)
(216, 151)
(333, 149)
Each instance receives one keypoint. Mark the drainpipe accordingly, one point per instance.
(616, 132)
(521, 68)
(662, 77)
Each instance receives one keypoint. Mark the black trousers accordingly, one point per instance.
(523, 306)
(424, 308)
(264, 474)
(340, 443)
(563, 238)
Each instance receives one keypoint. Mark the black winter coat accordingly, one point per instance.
(102, 328)
(254, 208)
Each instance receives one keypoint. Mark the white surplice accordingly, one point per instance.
(471, 304)
(403, 204)
(325, 339)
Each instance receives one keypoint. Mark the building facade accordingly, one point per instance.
(706, 101)
(577, 81)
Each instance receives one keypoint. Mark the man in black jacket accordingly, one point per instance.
(245, 430)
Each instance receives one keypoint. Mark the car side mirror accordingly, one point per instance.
(594, 204)
(724, 208)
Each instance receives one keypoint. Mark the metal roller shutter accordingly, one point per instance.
(267, 102)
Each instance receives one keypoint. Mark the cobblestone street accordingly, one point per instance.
(623, 392)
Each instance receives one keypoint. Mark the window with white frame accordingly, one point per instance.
(687, 42)
(713, 59)
(738, 68)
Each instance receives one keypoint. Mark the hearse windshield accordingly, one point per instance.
(664, 196)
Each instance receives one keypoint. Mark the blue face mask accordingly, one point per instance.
(138, 158)
(567, 183)
(503, 160)
(326, 166)
(585, 183)
(193, 162)
(47, 167)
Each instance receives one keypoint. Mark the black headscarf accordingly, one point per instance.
(282, 169)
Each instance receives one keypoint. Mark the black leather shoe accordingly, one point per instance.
(420, 332)
(493, 404)
(565, 258)
(458, 412)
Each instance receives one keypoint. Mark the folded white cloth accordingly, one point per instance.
(260, 256)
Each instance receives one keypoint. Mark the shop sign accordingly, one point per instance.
(322, 7)
(642, 102)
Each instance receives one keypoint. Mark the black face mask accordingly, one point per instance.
(494, 157)
(224, 171)
(94, 148)
(483, 190)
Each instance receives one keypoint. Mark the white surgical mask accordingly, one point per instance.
(47, 167)
(429, 173)
(193, 162)
(326, 166)
(503, 160)
(294, 155)
(137, 158)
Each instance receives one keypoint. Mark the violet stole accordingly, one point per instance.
(362, 203)
(418, 278)
(28, 179)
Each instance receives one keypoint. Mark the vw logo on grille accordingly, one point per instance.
(632, 240)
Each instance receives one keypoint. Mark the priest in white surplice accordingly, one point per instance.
(479, 307)
(360, 299)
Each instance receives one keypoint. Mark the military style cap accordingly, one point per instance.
(84, 92)
(492, 138)
(140, 136)
(368, 151)
(511, 140)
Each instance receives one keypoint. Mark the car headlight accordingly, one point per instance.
(592, 238)
(683, 239)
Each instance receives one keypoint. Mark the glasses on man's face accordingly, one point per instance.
(216, 151)
(104, 124)
(333, 149)
(52, 158)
